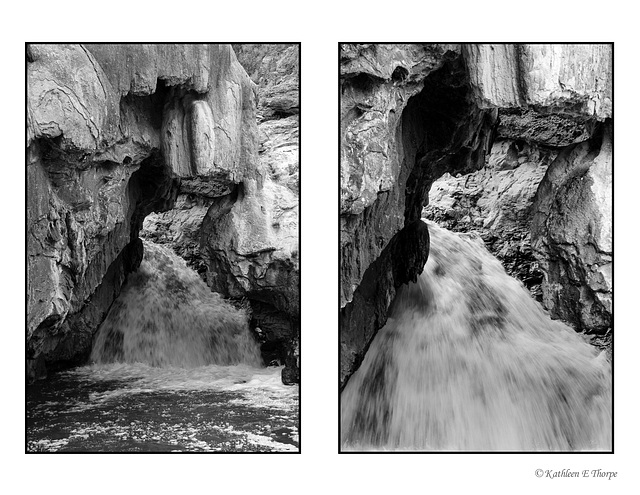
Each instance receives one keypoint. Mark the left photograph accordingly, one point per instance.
(162, 248)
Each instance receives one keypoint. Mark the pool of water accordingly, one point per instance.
(139, 408)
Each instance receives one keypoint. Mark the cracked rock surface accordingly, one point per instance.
(571, 234)
(496, 202)
(413, 112)
(111, 131)
(244, 240)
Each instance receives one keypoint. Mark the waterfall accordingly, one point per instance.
(174, 368)
(167, 316)
(468, 360)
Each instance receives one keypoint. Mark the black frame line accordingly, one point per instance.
(613, 353)
(26, 108)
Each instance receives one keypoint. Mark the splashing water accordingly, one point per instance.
(166, 315)
(468, 360)
(174, 368)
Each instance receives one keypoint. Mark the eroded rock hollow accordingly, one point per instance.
(118, 132)
(521, 134)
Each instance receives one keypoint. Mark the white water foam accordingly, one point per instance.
(468, 360)
(260, 387)
(175, 368)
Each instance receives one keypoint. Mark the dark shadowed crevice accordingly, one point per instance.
(152, 188)
(399, 74)
(441, 130)
(368, 310)
(361, 82)
(147, 107)
(521, 71)
(275, 330)
(29, 53)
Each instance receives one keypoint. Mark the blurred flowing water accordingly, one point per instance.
(173, 368)
(468, 360)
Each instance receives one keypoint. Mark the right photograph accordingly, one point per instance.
(476, 247)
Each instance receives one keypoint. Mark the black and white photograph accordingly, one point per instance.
(345, 248)
(476, 247)
(162, 247)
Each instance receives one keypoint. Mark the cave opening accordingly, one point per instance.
(439, 129)
(442, 131)
(151, 190)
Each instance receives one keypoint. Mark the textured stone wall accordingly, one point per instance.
(496, 202)
(571, 234)
(111, 130)
(546, 213)
(244, 240)
(410, 113)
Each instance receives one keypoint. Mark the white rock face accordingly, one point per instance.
(601, 175)
(69, 95)
(202, 137)
(260, 232)
(574, 79)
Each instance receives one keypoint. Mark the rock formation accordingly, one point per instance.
(264, 265)
(412, 112)
(546, 214)
(115, 132)
(571, 234)
(497, 203)
(392, 98)
(244, 242)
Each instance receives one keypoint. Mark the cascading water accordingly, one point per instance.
(468, 360)
(166, 315)
(174, 367)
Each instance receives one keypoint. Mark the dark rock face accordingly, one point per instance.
(367, 312)
(543, 129)
(411, 113)
(111, 130)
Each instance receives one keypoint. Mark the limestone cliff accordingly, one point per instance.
(244, 242)
(275, 69)
(112, 130)
(264, 264)
(412, 112)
